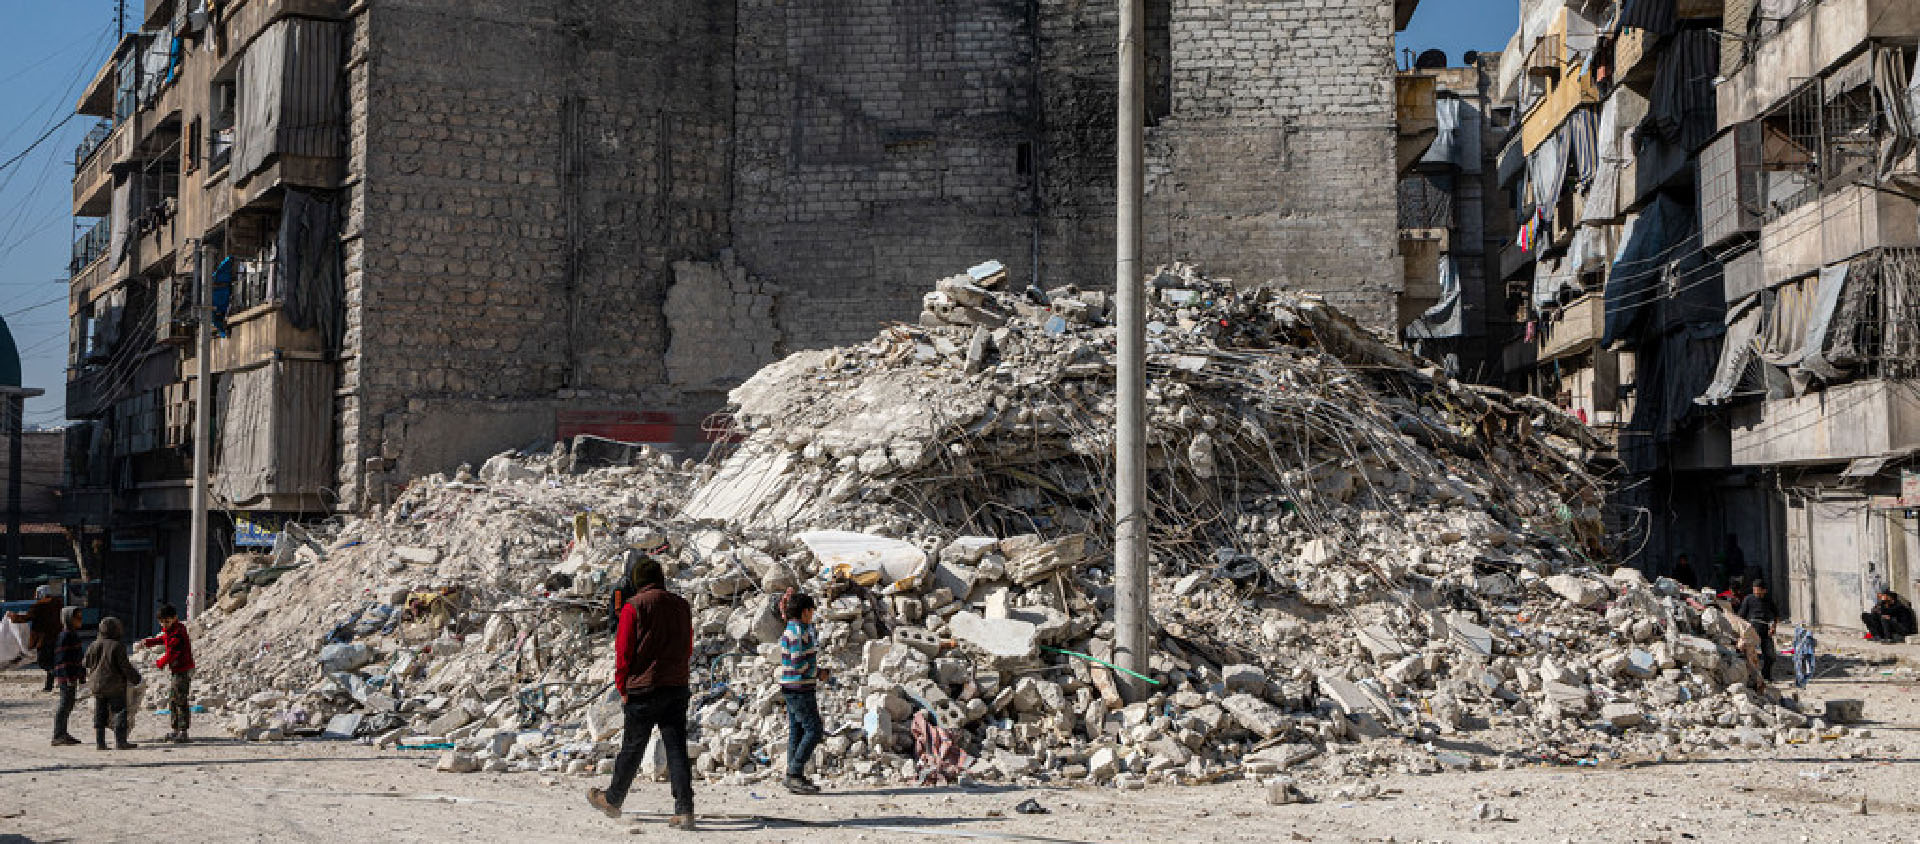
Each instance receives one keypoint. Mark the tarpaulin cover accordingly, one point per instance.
(1447, 318)
(1739, 357)
(1547, 172)
(1458, 141)
(1603, 192)
(1682, 106)
(1652, 239)
(311, 277)
(1813, 362)
(291, 94)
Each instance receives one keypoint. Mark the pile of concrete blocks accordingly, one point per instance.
(1355, 559)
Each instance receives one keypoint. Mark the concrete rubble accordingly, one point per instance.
(1356, 561)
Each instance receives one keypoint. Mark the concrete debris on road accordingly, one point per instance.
(1354, 557)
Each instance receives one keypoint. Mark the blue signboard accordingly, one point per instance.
(255, 531)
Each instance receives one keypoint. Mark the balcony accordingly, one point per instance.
(1811, 45)
(1843, 422)
(261, 334)
(93, 175)
(1634, 57)
(1575, 329)
(1415, 117)
(89, 247)
(1551, 110)
(244, 21)
(1516, 262)
(1835, 227)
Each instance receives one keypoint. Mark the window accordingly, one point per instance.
(220, 129)
(192, 159)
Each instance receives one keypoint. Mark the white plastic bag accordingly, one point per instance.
(13, 642)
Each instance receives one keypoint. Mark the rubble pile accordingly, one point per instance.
(1348, 547)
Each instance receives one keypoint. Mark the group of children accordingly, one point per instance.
(108, 674)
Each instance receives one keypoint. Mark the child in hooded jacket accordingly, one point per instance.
(109, 674)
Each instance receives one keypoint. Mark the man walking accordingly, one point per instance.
(1759, 611)
(652, 654)
(178, 661)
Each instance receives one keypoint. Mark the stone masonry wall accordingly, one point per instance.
(529, 173)
(1269, 163)
(532, 171)
(880, 146)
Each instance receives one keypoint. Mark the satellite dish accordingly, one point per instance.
(1470, 58)
(1430, 60)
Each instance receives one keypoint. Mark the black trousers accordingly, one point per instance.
(111, 711)
(665, 709)
(64, 710)
(1767, 651)
(44, 656)
(1882, 627)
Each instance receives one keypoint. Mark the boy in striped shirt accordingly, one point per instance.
(800, 676)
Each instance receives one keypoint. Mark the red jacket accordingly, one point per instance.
(654, 647)
(179, 655)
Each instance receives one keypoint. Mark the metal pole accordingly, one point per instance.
(1130, 457)
(202, 431)
(16, 420)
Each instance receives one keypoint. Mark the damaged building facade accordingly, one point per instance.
(1809, 193)
(1712, 265)
(436, 230)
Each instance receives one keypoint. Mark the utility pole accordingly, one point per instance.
(1130, 436)
(202, 430)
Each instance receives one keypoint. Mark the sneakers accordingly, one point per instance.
(123, 744)
(800, 785)
(176, 737)
(683, 823)
(598, 800)
(65, 741)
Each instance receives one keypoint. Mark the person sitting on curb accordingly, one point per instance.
(1890, 619)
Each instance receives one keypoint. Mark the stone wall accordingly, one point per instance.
(528, 176)
(881, 144)
(532, 170)
(1265, 159)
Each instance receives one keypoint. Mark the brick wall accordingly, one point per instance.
(879, 146)
(531, 172)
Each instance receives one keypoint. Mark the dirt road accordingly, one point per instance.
(222, 789)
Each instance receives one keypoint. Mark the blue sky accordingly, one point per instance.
(1457, 26)
(48, 52)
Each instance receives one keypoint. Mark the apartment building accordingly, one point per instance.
(1615, 298)
(1454, 218)
(1809, 191)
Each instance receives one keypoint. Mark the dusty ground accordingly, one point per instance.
(224, 790)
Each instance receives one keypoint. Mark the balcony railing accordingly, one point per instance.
(89, 247)
(94, 140)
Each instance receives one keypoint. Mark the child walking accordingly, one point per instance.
(800, 676)
(69, 671)
(178, 660)
(109, 674)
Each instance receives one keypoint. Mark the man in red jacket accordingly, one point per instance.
(653, 652)
(178, 661)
